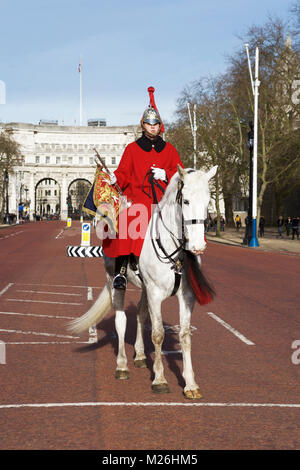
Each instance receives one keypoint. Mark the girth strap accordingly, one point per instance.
(193, 221)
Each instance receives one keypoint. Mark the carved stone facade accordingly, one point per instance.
(58, 156)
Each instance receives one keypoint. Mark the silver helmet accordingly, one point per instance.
(151, 116)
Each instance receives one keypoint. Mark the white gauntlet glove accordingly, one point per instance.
(159, 174)
(113, 178)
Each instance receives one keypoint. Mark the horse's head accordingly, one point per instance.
(193, 196)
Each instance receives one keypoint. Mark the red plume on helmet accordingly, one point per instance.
(152, 104)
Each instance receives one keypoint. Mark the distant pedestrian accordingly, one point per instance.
(222, 222)
(280, 224)
(215, 224)
(209, 223)
(262, 226)
(238, 222)
(288, 226)
(295, 227)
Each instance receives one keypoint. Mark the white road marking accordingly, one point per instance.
(145, 404)
(57, 285)
(46, 292)
(11, 235)
(46, 342)
(93, 337)
(43, 301)
(58, 236)
(37, 315)
(6, 288)
(90, 293)
(231, 329)
(38, 333)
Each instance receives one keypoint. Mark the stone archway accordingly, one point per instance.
(47, 198)
(77, 191)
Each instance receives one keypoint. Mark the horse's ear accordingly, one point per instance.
(181, 171)
(211, 173)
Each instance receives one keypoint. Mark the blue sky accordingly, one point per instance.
(125, 47)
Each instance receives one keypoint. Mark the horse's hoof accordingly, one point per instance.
(192, 394)
(140, 363)
(122, 374)
(160, 388)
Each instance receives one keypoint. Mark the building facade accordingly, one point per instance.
(56, 158)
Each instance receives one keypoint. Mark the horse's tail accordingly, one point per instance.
(203, 290)
(94, 315)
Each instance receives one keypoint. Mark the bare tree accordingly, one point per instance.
(278, 110)
(10, 157)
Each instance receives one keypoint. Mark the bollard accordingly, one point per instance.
(85, 234)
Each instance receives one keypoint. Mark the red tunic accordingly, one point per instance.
(131, 177)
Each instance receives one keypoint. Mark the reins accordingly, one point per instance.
(152, 183)
(176, 257)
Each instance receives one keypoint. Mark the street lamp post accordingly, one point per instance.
(7, 209)
(255, 85)
(26, 191)
(248, 229)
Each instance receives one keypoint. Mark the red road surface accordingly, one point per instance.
(244, 367)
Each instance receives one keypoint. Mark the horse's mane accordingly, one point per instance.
(169, 196)
(201, 287)
(171, 191)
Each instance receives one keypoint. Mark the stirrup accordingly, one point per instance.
(120, 282)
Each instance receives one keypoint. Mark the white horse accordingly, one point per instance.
(169, 262)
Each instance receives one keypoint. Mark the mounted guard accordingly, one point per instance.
(143, 174)
(175, 202)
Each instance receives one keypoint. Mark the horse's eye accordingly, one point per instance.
(185, 201)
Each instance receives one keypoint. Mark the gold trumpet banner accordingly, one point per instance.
(103, 199)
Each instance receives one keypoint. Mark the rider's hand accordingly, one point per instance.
(159, 174)
(113, 178)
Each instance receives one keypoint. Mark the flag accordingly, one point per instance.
(104, 200)
(79, 66)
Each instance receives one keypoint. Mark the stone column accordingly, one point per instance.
(63, 198)
(14, 203)
(31, 195)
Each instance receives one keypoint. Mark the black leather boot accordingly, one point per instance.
(120, 279)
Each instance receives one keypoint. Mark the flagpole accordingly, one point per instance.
(80, 94)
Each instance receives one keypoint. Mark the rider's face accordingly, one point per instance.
(152, 129)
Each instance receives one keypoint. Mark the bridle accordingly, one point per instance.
(175, 258)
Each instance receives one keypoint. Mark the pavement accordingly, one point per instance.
(230, 236)
(270, 241)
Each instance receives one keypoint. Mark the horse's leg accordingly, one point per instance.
(159, 384)
(140, 358)
(186, 304)
(122, 371)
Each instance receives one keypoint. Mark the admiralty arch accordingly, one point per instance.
(56, 158)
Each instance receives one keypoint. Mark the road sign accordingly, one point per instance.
(69, 222)
(85, 251)
(85, 234)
